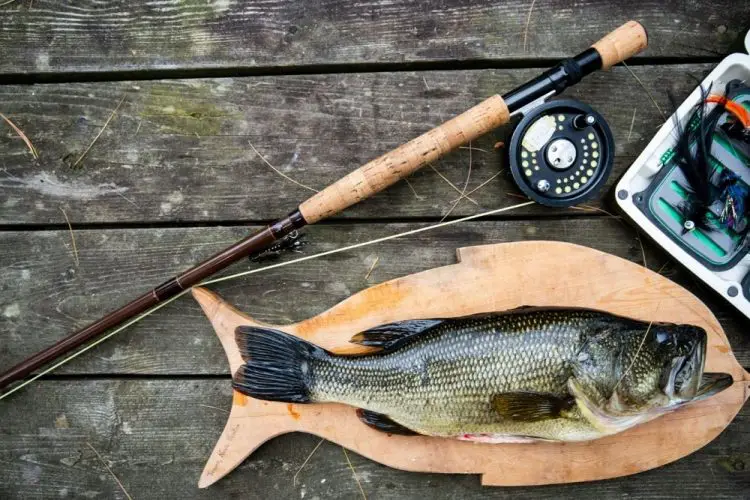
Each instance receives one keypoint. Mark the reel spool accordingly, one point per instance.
(561, 153)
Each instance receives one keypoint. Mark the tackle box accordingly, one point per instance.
(652, 189)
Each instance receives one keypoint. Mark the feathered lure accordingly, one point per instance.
(712, 185)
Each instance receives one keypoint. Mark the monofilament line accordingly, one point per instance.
(254, 271)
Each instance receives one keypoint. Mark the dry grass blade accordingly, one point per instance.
(72, 237)
(110, 471)
(20, 133)
(106, 124)
(294, 480)
(354, 473)
(279, 171)
(3, 4)
(526, 28)
(664, 117)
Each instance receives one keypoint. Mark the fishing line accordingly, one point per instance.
(254, 271)
(93, 344)
(366, 243)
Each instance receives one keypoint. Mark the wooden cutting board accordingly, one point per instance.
(489, 278)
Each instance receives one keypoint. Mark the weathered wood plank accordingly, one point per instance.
(89, 36)
(156, 435)
(44, 295)
(179, 150)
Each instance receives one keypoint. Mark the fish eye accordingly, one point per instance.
(662, 337)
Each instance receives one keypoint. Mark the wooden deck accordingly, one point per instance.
(318, 87)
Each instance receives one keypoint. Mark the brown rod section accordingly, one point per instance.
(254, 243)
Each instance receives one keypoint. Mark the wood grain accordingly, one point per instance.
(119, 35)
(156, 435)
(43, 296)
(488, 278)
(178, 150)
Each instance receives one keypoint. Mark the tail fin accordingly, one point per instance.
(277, 365)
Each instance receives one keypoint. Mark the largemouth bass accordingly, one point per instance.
(528, 374)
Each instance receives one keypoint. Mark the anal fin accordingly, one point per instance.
(383, 423)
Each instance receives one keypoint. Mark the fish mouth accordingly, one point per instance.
(712, 384)
(685, 379)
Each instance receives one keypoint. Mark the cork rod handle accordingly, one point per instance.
(622, 43)
(406, 159)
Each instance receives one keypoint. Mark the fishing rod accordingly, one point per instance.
(373, 177)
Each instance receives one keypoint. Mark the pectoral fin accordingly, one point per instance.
(383, 423)
(530, 406)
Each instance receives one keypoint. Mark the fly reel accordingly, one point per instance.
(561, 153)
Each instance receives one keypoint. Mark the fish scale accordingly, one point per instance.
(441, 382)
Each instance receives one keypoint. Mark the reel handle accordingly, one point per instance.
(395, 165)
(621, 44)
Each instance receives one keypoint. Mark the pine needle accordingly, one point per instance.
(18, 131)
(374, 263)
(482, 185)
(645, 90)
(664, 266)
(474, 149)
(112, 115)
(294, 480)
(456, 188)
(632, 122)
(110, 471)
(72, 237)
(354, 473)
(280, 172)
(7, 3)
(643, 252)
(416, 195)
(591, 208)
(214, 407)
(463, 191)
(526, 28)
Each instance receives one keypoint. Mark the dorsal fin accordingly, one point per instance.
(391, 335)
